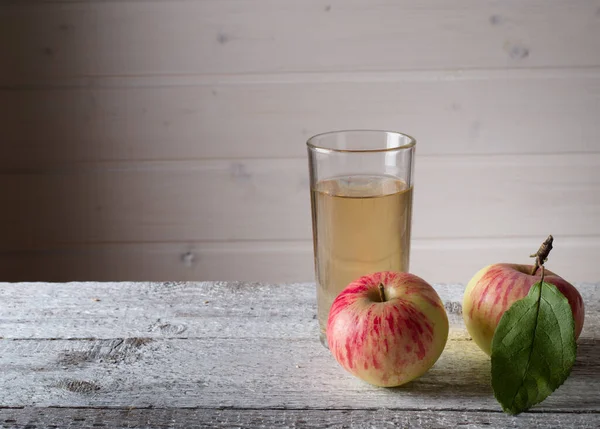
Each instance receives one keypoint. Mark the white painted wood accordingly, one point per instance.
(528, 195)
(89, 418)
(476, 112)
(51, 39)
(436, 260)
(216, 82)
(238, 367)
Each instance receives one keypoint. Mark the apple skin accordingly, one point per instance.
(496, 287)
(387, 343)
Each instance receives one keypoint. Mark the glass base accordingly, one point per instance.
(323, 339)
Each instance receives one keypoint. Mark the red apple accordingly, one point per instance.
(387, 328)
(496, 287)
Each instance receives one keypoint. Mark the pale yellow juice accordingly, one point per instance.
(361, 225)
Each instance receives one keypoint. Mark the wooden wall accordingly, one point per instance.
(164, 139)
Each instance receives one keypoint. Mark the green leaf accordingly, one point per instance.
(533, 349)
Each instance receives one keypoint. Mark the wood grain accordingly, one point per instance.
(223, 310)
(271, 116)
(88, 418)
(263, 199)
(238, 310)
(40, 39)
(437, 260)
(228, 366)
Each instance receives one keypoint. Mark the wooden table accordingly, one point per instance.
(165, 355)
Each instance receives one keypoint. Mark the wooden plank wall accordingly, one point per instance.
(164, 139)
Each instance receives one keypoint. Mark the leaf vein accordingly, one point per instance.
(537, 314)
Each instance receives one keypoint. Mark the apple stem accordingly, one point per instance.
(542, 255)
(382, 292)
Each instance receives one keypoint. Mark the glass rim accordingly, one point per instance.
(411, 143)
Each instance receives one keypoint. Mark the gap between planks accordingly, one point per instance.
(169, 80)
(284, 408)
(175, 418)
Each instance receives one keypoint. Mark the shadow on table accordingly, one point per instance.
(465, 371)
(462, 370)
(587, 365)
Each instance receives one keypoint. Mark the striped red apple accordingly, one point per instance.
(496, 287)
(387, 328)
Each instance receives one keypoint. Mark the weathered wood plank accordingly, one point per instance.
(184, 37)
(173, 310)
(279, 261)
(251, 346)
(254, 373)
(86, 418)
(268, 199)
(156, 118)
(237, 310)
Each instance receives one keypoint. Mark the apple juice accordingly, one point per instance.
(361, 225)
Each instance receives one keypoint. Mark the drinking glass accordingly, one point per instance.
(361, 186)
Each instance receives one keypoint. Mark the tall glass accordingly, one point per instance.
(361, 185)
